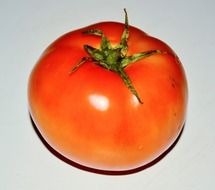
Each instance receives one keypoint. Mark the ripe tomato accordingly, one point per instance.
(94, 115)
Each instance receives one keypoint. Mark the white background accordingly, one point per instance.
(28, 27)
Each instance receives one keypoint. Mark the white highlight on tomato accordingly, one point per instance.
(99, 102)
(134, 101)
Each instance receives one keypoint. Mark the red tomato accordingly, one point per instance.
(91, 116)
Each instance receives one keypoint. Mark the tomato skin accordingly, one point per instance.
(91, 117)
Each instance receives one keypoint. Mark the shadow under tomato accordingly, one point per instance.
(104, 172)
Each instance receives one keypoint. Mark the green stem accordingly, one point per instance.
(129, 84)
(114, 58)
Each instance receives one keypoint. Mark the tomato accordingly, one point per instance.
(102, 114)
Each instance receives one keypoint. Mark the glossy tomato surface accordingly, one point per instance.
(91, 117)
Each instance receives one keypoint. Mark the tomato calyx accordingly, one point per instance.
(115, 58)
